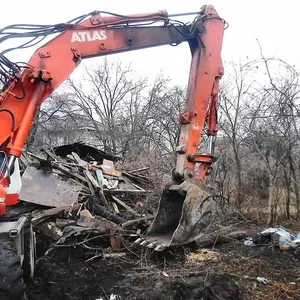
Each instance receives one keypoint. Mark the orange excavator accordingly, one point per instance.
(186, 206)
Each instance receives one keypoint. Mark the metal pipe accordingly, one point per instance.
(10, 166)
(211, 144)
(184, 14)
(15, 231)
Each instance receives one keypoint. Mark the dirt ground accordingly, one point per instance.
(227, 271)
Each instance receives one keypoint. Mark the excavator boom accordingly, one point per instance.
(186, 206)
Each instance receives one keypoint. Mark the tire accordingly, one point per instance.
(12, 286)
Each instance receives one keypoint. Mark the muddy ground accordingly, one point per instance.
(227, 271)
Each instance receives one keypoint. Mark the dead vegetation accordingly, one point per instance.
(86, 255)
(88, 268)
(257, 173)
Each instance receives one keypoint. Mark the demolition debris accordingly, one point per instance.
(78, 190)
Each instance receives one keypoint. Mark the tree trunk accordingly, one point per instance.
(239, 182)
(296, 187)
(287, 177)
(271, 201)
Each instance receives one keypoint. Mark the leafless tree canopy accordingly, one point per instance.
(130, 116)
(115, 110)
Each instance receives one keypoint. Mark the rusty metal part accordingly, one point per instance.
(47, 189)
(184, 213)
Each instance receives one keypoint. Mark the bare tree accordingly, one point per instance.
(269, 144)
(101, 95)
(284, 89)
(132, 117)
(164, 105)
(236, 89)
(55, 121)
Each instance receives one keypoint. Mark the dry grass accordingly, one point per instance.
(278, 290)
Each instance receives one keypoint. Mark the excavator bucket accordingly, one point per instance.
(184, 213)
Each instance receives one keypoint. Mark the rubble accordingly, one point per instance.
(89, 172)
(278, 236)
(87, 238)
(79, 191)
(219, 271)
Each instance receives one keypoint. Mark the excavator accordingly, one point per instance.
(186, 206)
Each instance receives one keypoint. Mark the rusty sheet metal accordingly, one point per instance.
(47, 188)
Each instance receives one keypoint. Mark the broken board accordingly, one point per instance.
(48, 189)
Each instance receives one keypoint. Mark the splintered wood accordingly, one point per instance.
(93, 175)
(84, 195)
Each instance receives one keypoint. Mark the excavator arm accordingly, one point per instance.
(100, 35)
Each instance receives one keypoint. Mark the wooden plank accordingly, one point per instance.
(111, 172)
(118, 191)
(136, 221)
(67, 171)
(138, 187)
(124, 205)
(41, 215)
(108, 168)
(139, 170)
(24, 160)
(36, 156)
(80, 162)
(136, 177)
(49, 154)
(90, 178)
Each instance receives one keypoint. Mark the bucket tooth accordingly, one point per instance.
(151, 245)
(143, 243)
(138, 241)
(183, 216)
(159, 248)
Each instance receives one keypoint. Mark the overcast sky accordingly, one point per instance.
(275, 23)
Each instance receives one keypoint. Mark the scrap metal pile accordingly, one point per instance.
(76, 190)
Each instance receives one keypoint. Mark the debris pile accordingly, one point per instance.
(78, 191)
(90, 169)
(277, 235)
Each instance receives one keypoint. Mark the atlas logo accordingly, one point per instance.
(88, 36)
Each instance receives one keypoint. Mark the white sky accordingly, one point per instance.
(275, 23)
